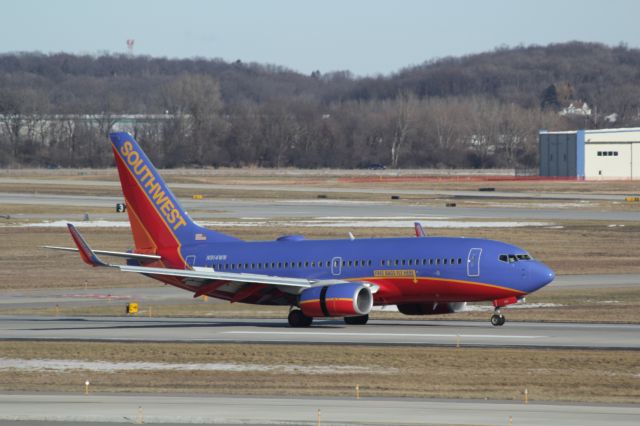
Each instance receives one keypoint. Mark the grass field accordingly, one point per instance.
(558, 375)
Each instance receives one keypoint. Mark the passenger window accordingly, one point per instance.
(410, 262)
(445, 261)
(437, 261)
(459, 261)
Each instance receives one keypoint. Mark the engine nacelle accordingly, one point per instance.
(337, 300)
(431, 308)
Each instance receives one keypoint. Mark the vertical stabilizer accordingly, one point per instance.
(158, 221)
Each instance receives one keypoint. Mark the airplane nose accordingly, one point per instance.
(539, 276)
(543, 275)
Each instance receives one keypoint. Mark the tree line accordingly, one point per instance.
(478, 111)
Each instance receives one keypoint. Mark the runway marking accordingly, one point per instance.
(332, 334)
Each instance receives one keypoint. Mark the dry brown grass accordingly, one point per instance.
(548, 375)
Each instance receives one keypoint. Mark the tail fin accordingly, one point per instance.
(158, 221)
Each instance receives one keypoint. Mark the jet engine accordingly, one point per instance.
(337, 300)
(431, 308)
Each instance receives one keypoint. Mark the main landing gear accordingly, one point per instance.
(359, 320)
(298, 319)
(497, 319)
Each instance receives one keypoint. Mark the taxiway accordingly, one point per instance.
(212, 409)
(378, 332)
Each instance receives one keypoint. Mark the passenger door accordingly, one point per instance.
(191, 260)
(336, 266)
(473, 262)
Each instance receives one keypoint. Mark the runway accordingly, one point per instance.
(270, 331)
(212, 409)
(272, 209)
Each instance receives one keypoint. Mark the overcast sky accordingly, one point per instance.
(367, 37)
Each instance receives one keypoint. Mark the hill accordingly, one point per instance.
(479, 110)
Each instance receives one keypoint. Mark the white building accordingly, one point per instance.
(591, 154)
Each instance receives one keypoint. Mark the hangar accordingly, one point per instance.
(590, 154)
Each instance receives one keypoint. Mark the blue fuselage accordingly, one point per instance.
(405, 269)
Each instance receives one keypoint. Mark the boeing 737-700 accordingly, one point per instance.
(315, 278)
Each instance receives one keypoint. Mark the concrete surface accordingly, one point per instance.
(302, 411)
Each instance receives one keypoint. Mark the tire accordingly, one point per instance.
(298, 319)
(497, 320)
(359, 320)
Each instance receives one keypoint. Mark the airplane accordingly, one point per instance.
(421, 275)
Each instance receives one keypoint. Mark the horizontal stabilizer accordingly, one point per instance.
(124, 254)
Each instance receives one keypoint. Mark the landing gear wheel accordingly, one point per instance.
(497, 320)
(298, 319)
(359, 320)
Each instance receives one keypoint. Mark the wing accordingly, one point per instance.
(236, 287)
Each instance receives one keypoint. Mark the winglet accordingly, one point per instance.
(419, 231)
(87, 255)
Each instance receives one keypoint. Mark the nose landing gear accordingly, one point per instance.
(497, 319)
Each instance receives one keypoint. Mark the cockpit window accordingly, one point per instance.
(511, 258)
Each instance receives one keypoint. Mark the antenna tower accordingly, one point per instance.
(130, 44)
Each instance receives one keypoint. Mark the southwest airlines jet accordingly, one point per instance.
(316, 278)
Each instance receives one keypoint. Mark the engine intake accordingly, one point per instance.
(338, 300)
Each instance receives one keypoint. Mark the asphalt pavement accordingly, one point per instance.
(212, 409)
(268, 331)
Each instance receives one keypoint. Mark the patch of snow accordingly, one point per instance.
(614, 225)
(391, 222)
(489, 308)
(81, 224)
(330, 201)
(62, 365)
(385, 308)
(550, 205)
